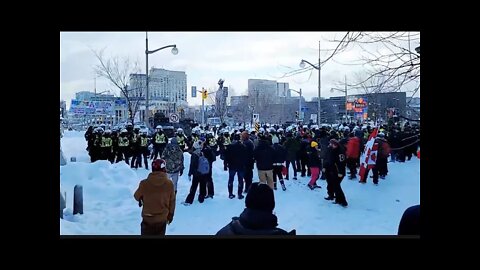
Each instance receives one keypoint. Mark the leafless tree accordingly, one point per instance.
(117, 70)
(390, 56)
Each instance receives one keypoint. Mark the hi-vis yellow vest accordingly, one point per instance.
(123, 141)
(143, 142)
(160, 138)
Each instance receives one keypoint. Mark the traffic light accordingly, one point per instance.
(204, 94)
(296, 114)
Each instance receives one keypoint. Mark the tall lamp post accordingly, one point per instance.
(147, 52)
(302, 65)
(346, 97)
(299, 101)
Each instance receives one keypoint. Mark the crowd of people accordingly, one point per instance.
(315, 152)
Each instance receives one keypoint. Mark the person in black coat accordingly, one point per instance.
(198, 178)
(264, 155)
(334, 168)
(235, 160)
(257, 218)
(210, 154)
(410, 222)
(292, 145)
(248, 175)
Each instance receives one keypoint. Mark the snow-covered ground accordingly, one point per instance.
(110, 209)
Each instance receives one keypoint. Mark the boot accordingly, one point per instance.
(283, 187)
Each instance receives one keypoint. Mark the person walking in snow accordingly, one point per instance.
(279, 157)
(157, 196)
(248, 175)
(236, 160)
(173, 156)
(257, 218)
(314, 163)
(334, 169)
(199, 170)
(264, 156)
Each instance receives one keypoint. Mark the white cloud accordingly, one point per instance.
(208, 56)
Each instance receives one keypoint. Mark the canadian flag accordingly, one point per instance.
(369, 156)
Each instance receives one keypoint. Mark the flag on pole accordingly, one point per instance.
(369, 156)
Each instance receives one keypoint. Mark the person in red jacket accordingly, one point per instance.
(353, 155)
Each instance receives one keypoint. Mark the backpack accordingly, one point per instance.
(203, 165)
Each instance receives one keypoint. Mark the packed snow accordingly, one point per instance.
(110, 209)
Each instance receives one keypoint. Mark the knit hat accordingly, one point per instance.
(159, 165)
(313, 144)
(334, 141)
(260, 197)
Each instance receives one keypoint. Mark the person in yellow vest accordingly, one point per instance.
(135, 147)
(159, 142)
(181, 139)
(123, 146)
(106, 146)
(143, 150)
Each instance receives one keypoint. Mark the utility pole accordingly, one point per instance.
(346, 95)
(203, 107)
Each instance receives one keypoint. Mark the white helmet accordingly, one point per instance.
(261, 130)
(280, 130)
(179, 130)
(346, 128)
(159, 127)
(123, 130)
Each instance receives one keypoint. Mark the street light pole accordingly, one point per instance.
(300, 103)
(319, 86)
(147, 52)
(346, 98)
(346, 95)
(146, 85)
(319, 68)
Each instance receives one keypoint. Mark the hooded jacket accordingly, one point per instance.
(254, 222)
(173, 157)
(158, 197)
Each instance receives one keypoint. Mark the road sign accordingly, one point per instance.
(256, 118)
(174, 118)
(194, 91)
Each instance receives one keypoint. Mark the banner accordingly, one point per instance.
(369, 156)
(92, 107)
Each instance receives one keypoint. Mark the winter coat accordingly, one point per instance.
(292, 146)
(304, 145)
(383, 148)
(314, 158)
(194, 164)
(410, 222)
(236, 156)
(158, 197)
(323, 145)
(210, 154)
(264, 156)
(254, 222)
(280, 153)
(335, 160)
(250, 160)
(173, 157)
(353, 148)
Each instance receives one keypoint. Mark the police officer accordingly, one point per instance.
(159, 142)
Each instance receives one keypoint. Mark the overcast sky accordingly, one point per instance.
(207, 57)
